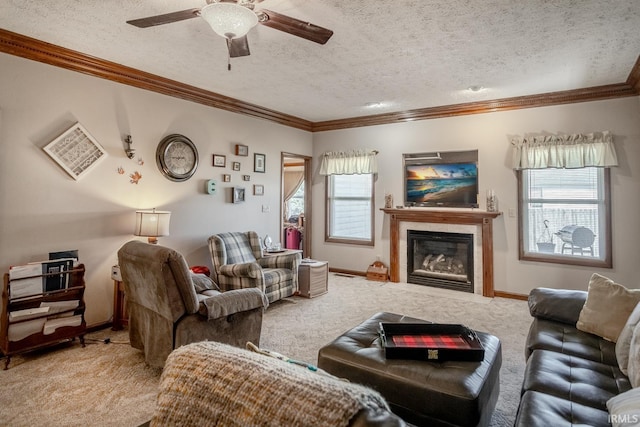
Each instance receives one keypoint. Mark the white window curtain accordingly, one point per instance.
(292, 181)
(349, 162)
(564, 151)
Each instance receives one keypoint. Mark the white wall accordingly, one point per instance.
(42, 209)
(490, 133)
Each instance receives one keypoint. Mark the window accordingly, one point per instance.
(350, 209)
(565, 216)
(295, 204)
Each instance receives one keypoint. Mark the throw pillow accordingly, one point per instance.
(624, 339)
(203, 283)
(633, 365)
(607, 308)
(624, 409)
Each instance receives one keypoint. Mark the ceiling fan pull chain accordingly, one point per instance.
(228, 54)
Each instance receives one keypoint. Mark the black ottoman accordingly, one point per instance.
(422, 393)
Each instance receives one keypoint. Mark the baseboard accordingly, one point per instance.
(510, 295)
(500, 294)
(99, 326)
(349, 272)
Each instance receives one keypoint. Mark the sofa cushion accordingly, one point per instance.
(607, 308)
(562, 305)
(625, 408)
(624, 339)
(633, 367)
(575, 379)
(203, 283)
(562, 338)
(544, 410)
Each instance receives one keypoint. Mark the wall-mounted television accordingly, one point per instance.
(442, 179)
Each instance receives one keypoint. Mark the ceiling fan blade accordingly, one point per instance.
(294, 26)
(238, 47)
(167, 18)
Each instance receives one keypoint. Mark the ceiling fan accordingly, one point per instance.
(232, 19)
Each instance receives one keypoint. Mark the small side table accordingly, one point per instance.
(266, 253)
(312, 278)
(120, 316)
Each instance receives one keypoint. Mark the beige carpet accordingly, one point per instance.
(109, 384)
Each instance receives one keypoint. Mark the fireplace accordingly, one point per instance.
(480, 223)
(443, 260)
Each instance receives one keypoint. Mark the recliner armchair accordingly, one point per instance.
(238, 263)
(169, 306)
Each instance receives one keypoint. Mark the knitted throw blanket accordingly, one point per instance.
(210, 384)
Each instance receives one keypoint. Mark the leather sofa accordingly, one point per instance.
(570, 374)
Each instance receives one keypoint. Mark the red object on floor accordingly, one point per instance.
(292, 238)
(201, 269)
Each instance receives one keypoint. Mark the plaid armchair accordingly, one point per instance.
(238, 263)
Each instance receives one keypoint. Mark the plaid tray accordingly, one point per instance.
(439, 341)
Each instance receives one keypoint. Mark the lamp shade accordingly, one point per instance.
(229, 20)
(152, 224)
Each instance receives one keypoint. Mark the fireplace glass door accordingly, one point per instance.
(443, 260)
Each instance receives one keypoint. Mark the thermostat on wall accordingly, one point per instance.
(115, 273)
(211, 186)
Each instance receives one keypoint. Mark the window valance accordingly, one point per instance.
(349, 162)
(564, 151)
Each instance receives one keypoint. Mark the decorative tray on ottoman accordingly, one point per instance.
(430, 341)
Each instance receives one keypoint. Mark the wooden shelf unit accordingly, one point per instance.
(74, 291)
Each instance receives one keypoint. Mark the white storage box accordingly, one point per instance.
(312, 278)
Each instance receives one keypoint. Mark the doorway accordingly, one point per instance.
(295, 202)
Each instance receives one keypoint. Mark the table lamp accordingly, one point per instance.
(152, 224)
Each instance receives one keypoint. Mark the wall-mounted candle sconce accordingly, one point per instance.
(130, 152)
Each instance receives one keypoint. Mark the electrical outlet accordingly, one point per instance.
(266, 209)
(512, 213)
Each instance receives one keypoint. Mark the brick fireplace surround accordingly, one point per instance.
(472, 217)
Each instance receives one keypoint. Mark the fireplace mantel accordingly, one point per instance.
(473, 217)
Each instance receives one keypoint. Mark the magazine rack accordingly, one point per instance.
(33, 321)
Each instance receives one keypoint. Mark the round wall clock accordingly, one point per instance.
(177, 157)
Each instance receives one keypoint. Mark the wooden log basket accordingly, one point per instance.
(378, 272)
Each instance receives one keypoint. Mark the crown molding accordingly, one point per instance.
(37, 50)
(531, 101)
(634, 76)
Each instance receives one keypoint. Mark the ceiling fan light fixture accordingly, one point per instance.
(229, 20)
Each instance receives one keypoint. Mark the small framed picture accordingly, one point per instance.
(259, 162)
(236, 166)
(246, 177)
(226, 177)
(238, 195)
(219, 160)
(258, 190)
(242, 150)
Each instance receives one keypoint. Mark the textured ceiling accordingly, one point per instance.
(402, 54)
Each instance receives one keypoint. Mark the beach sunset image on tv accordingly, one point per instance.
(442, 184)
